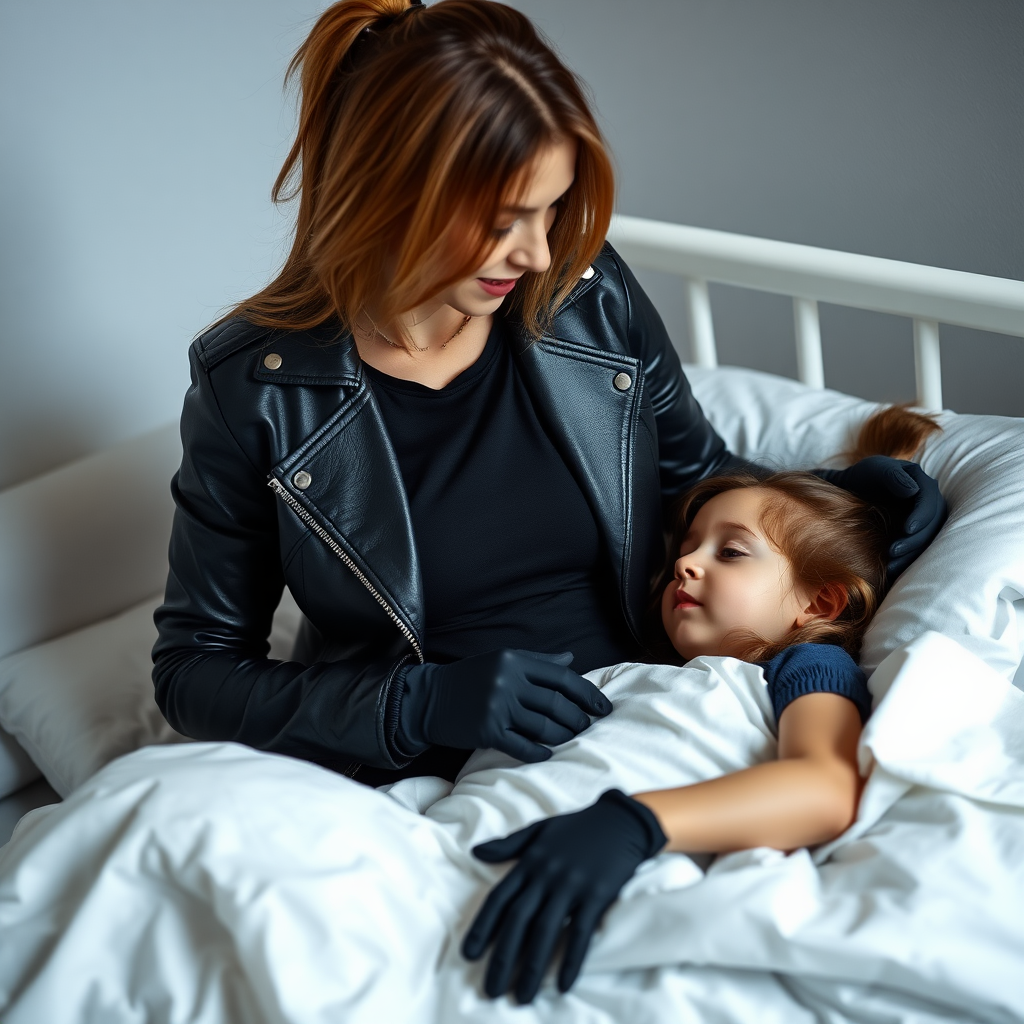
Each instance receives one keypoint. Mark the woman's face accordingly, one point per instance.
(729, 578)
(521, 234)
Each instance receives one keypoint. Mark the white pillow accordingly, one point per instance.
(969, 584)
(16, 767)
(77, 702)
(87, 540)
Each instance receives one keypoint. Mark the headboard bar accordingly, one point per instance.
(929, 295)
(927, 366)
(702, 327)
(810, 366)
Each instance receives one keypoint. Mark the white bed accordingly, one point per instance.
(84, 560)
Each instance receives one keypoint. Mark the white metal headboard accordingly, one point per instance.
(929, 295)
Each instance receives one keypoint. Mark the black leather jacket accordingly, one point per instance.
(288, 476)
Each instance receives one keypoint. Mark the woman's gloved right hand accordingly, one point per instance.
(519, 702)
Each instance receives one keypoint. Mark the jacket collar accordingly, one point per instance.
(324, 355)
(577, 389)
(327, 354)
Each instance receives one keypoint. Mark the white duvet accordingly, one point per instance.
(211, 883)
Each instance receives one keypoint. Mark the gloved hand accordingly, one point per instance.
(513, 701)
(572, 866)
(909, 497)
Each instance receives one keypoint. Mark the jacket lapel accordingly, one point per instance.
(346, 475)
(592, 413)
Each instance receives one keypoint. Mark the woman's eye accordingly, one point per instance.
(502, 232)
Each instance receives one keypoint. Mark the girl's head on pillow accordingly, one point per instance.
(765, 562)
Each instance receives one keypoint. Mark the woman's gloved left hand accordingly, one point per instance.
(570, 871)
(909, 497)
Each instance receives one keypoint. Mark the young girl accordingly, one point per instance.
(784, 570)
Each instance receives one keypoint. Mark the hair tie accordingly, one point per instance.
(368, 38)
(385, 21)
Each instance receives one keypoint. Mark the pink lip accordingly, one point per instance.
(497, 286)
(683, 600)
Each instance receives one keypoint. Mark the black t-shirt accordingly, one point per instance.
(510, 552)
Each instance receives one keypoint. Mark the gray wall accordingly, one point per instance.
(888, 127)
(140, 141)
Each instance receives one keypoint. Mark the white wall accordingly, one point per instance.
(140, 142)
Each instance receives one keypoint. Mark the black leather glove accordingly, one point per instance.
(908, 496)
(513, 701)
(570, 871)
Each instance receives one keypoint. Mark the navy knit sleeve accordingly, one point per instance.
(815, 668)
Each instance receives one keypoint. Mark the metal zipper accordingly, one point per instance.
(306, 516)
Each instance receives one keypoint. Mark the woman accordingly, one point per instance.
(450, 425)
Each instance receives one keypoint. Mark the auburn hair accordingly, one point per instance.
(830, 538)
(416, 126)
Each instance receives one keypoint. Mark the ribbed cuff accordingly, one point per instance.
(398, 745)
(815, 668)
(645, 817)
(403, 709)
(822, 681)
(830, 476)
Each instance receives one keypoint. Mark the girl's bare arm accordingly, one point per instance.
(808, 796)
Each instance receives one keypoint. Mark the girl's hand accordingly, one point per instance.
(570, 871)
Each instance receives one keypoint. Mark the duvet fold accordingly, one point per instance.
(215, 884)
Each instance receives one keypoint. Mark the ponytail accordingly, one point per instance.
(895, 431)
(326, 53)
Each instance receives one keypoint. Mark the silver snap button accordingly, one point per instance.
(272, 361)
(302, 480)
(588, 274)
(622, 381)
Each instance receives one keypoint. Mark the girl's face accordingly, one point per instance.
(728, 578)
(521, 234)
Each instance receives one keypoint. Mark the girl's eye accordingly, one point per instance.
(731, 553)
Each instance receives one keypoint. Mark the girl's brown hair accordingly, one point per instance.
(416, 125)
(829, 537)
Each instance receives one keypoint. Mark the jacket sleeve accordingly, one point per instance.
(211, 672)
(689, 448)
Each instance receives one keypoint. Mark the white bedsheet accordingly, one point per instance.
(212, 883)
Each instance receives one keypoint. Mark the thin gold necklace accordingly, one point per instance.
(425, 348)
